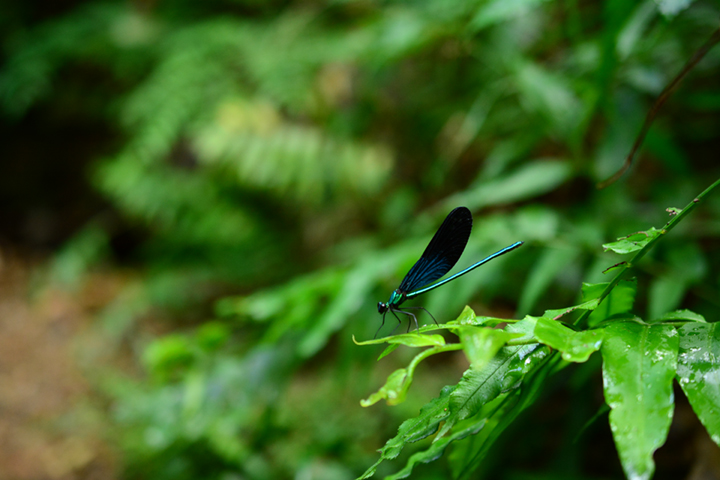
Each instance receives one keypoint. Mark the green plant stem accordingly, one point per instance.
(429, 352)
(582, 320)
(432, 351)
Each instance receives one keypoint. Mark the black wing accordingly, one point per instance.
(442, 253)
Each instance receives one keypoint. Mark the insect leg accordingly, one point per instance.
(398, 319)
(409, 315)
(426, 311)
(381, 325)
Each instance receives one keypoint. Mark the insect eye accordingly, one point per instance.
(382, 307)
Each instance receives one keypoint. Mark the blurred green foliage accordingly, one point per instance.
(287, 162)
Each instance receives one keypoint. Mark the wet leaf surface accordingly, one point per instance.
(638, 368)
(699, 372)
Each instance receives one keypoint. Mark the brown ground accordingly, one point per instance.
(50, 421)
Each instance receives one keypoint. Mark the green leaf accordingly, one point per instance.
(620, 300)
(575, 346)
(522, 331)
(491, 321)
(388, 350)
(699, 372)
(591, 291)
(638, 368)
(502, 373)
(632, 34)
(557, 313)
(399, 381)
(468, 454)
(681, 315)
(468, 317)
(633, 242)
(407, 339)
(670, 8)
(488, 401)
(415, 429)
(527, 181)
(393, 391)
(481, 344)
(470, 427)
(497, 11)
(168, 356)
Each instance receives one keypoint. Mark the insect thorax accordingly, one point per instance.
(396, 298)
